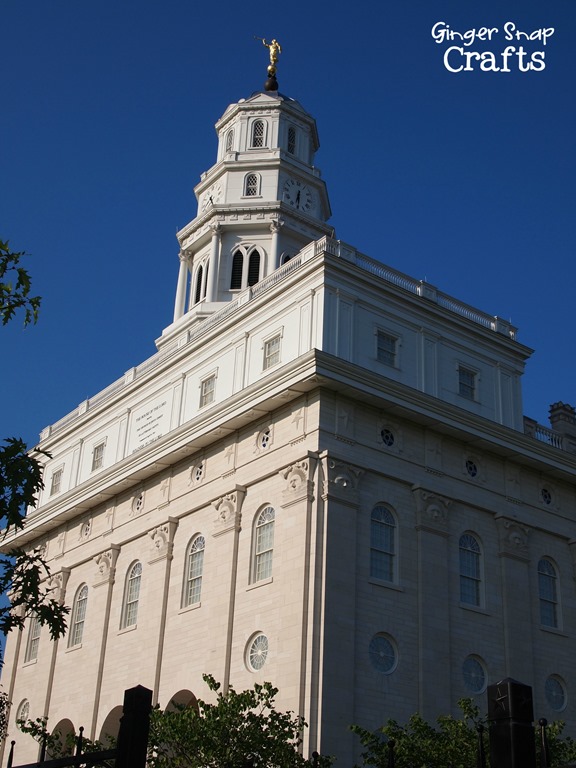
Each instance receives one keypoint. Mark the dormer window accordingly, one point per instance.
(251, 185)
(291, 140)
(258, 134)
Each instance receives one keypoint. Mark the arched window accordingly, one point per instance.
(251, 185)
(548, 593)
(382, 544)
(264, 544)
(193, 574)
(257, 134)
(78, 616)
(237, 268)
(198, 290)
(291, 140)
(230, 141)
(131, 596)
(470, 569)
(254, 268)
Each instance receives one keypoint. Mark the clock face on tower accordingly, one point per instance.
(297, 195)
(212, 196)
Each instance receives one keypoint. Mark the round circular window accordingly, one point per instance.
(387, 437)
(257, 653)
(23, 711)
(474, 675)
(382, 653)
(471, 468)
(546, 496)
(555, 692)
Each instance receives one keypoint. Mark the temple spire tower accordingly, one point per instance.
(260, 203)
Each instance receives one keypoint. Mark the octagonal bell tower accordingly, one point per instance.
(258, 205)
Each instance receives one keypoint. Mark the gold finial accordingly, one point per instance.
(275, 50)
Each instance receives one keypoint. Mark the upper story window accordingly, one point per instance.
(271, 352)
(291, 140)
(33, 640)
(548, 593)
(98, 456)
(200, 283)
(467, 383)
(470, 570)
(230, 141)
(131, 596)
(264, 544)
(386, 348)
(194, 569)
(251, 185)
(382, 544)
(78, 616)
(56, 483)
(254, 267)
(207, 390)
(237, 270)
(258, 134)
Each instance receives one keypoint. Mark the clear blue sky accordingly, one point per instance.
(466, 179)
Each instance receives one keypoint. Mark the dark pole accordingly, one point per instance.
(511, 715)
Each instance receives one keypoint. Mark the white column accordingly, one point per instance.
(212, 287)
(181, 289)
(275, 226)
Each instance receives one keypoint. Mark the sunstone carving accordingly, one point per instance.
(513, 538)
(298, 485)
(432, 510)
(229, 509)
(105, 566)
(56, 585)
(341, 480)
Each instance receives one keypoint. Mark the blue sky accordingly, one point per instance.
(465, 179)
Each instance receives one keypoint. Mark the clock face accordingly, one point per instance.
(297, 195)
(211, 196)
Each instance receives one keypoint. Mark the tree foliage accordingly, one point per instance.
(451, 742)
(15, 287)
(22, 574)
(239, 730)
(60, 744)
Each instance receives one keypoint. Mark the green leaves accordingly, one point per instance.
(15, 287)
(239, 730)
(20, 482)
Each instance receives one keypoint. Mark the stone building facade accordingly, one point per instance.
(323, 478)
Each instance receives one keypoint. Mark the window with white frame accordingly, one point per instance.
(33, 642)
(470, 570)
(230, 141)
(194, 568)
(467, 383)
(258, 134)
(548, 593)
(251, 185)
(386, 348)
(131, 596)
(271, 352)
(291, 140)
(98, 456)
(78, 616)
(237, 271)
(254, 267)
(264, 544)
(382, 544)
(56, 483)
(207, 390)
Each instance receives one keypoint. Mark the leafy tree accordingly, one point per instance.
(22, 574)
(454, 742)
(15, 287)
(239, 730)
(60, 744)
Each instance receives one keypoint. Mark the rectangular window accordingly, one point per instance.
(466, 383)
(386, 348)
(56, 483)
(271, 352)
(207, 391)
(98, 457)
(33, 640)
